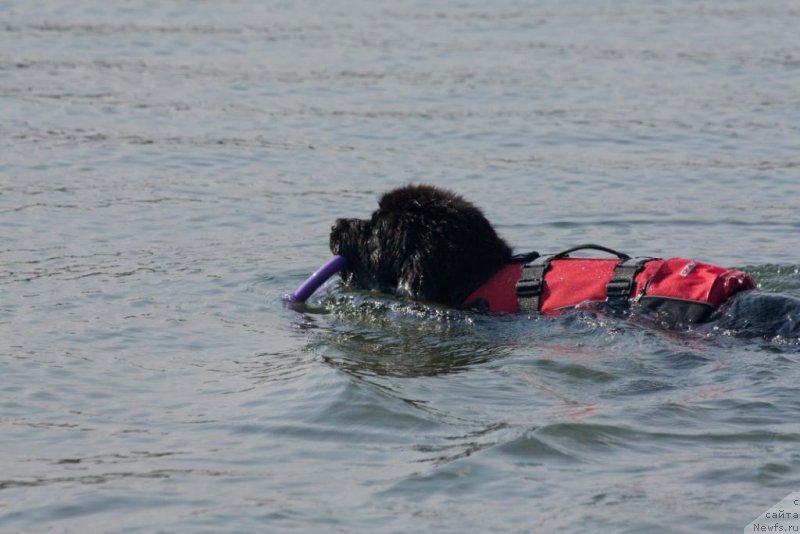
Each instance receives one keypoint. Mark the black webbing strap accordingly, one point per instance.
(529, 286)
(618, 289)
(526, 257)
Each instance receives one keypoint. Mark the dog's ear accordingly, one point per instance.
(418, 278)
(447, 272)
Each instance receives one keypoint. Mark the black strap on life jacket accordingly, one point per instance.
(618, 289)
(529, 286)
(525, 256)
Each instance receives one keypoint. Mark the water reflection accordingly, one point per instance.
(369, 335)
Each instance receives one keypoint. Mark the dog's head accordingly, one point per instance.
(422, 242)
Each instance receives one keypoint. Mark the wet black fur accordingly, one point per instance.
(423, 243)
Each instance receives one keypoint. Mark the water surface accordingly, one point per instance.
(170, 169)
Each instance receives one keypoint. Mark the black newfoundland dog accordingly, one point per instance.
(430, 244)
(423, 243)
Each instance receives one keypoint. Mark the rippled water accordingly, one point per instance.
(169, 169)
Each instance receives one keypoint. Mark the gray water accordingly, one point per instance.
(169, 169)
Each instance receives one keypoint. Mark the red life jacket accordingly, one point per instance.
(678, 289)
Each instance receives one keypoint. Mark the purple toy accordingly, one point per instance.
(307, 288)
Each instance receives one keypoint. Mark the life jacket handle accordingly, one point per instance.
(591, 246)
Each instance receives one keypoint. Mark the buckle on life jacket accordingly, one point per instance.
(529, 287)
(618, 289)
